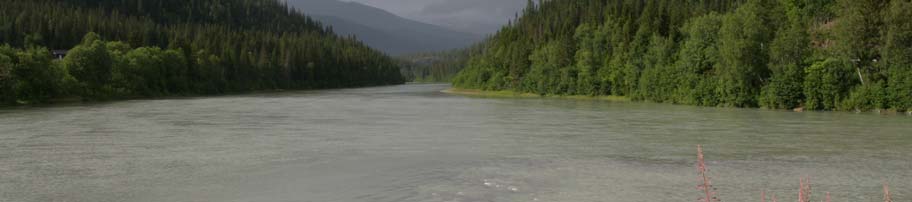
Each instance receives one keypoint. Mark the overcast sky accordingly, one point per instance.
(475, 16)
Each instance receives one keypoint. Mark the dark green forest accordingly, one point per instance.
(781, 54)
(149, 48)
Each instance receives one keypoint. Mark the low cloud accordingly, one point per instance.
(479, 16)
(476, 16)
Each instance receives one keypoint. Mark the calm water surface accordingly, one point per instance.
(412, 143)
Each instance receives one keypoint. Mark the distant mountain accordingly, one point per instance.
(383, 30)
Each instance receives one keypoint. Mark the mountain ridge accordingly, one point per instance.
(383, 30)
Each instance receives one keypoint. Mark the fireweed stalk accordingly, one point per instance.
(887, 196)
(804, 186)
(804, 189)
(706, 185)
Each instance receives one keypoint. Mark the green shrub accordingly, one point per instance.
(6, 75)
(784, 91)
(824, 84)
(867, 97)
(91, 65)
(38, 78)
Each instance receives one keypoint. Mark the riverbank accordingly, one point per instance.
(72, 100)
(514, 94)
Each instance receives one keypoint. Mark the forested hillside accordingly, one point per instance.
(815, 54)
(383, 30)
(145, 48)
(437, 66)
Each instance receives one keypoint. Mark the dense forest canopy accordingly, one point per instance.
(140, 48)
(816, 54)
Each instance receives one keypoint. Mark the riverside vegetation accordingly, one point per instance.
(781, 54)
(135, 48)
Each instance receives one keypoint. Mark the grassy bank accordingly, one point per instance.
(514, 94)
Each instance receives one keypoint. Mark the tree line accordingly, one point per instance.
(781, 54)
(437, 66)
(148, 48)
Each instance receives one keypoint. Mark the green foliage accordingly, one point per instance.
(174, 66)
(867, 97)
(38, 78)
(751, 53)
(788, 53)
(144, 73)
(209, 76)
(610, 74)
(545, 62)
(742, 67)
(657, 82)
(824, 86)
(785, 89)
(897, 54)
(185, 47)
(697, 61)
(7, 54)
(90, 64)
(436, 66)
(588, 58)
(859, 35)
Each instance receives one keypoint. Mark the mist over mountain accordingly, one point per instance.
(482, 17)
(383, 30)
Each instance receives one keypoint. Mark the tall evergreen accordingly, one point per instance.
(130, 48)
(747, 53)
(897, 53)
(788, 53)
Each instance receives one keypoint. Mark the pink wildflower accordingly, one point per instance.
(706, 185)
(887, 196)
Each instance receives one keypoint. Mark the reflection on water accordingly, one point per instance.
(412, 143)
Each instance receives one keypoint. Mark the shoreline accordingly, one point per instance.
(514, 94)
(76, 100)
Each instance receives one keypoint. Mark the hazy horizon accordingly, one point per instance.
(474, 16)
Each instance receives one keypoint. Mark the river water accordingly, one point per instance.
(412, 143)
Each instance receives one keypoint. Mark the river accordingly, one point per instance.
(412, 143)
